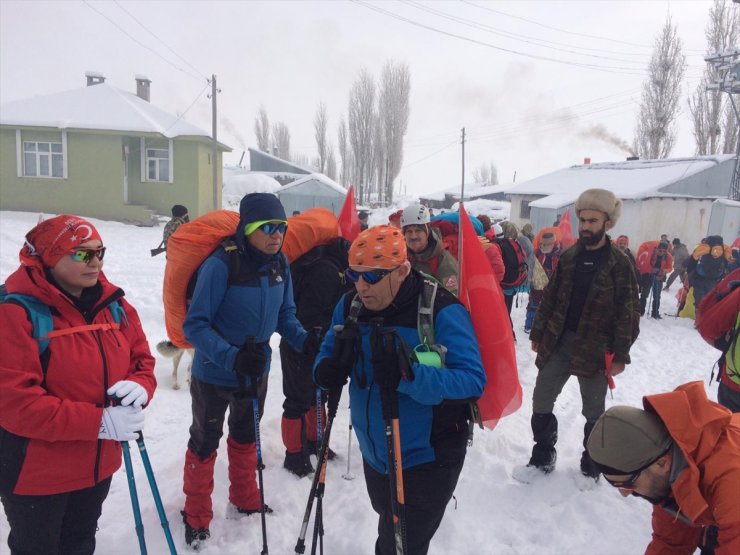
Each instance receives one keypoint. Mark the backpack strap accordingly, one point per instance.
(425, 318)
(38, 314)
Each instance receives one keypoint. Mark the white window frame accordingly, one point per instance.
(145, 158)
(21, 152)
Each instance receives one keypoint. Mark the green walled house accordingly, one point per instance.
(105, 153)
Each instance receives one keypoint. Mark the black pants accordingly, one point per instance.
(209, 404)
(59, 524)
(427, 490)
(298, 386)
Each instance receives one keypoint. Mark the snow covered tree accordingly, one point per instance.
(361, 114)
(393, 111)
(331, 163)
(281, 140)
(655, 134)
(320, 123)
(262, 130)
(486, 175)
(711, 113)
(344, 152)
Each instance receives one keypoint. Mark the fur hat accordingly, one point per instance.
(601, 200)
(627, 439)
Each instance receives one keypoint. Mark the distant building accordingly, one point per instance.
(447, 197)
(674, 196)
(102, 152)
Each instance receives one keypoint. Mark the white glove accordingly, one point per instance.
(128, 393)
(121, 423)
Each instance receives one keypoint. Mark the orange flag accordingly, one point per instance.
(348, 220)
(566, 231)
(482, 296)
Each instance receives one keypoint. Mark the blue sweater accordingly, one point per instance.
(222, 316)
(430, 428)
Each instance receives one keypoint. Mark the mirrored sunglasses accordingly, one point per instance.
(629, 483)
(371, 277)
(86, 255)
(271, 227)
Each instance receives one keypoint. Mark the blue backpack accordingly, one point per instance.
(39, 315)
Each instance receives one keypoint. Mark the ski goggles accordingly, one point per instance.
(371, 277)
(268, 228)
(86, 255)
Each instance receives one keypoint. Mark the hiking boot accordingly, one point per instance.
(297, 464)
(195, 537)
(313, 450)
(588, 468)
(234, 513)
(657, 316)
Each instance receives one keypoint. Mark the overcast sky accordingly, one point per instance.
(529, 114)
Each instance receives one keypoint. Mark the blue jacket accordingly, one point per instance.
(223, 315)
(433, 425)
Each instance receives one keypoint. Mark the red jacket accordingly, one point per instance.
(707, 491)
(717, 316)
(646, 260)
(50, 420)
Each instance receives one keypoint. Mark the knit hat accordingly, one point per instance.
(380, 246)
(601, 200)
(50, 240)
(627, 439)
(623, 240)
(260, 207)
(485, 220)
(178, 211)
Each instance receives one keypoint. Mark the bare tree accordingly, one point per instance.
(320, 123)
(486, 175)
(710, 108)
(281, 140)
(262, 130)
(331, 163)
(656, 125)
(361, 114)
(344, 152)
(393, 111)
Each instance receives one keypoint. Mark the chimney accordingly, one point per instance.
(632, 158)
(143, 88)
(94, 78)
(586, 161)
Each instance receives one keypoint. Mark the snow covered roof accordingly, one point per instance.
(628, 180)
(472, 190)
(98, 106)
(314, 177)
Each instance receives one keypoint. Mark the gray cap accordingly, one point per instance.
(627, 439)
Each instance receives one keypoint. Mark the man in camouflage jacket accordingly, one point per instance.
(589, 309)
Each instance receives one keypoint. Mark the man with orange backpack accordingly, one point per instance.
(707, 265)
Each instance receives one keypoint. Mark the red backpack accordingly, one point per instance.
(515, 262)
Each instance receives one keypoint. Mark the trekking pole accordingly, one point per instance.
(331, 407)
(349, 475)
(318, 523)
(134, 497)
(389, 404)
(155, 493)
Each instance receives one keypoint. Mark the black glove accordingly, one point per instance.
(332, 372)
(250, 362)
(312, 344)
(390, 360)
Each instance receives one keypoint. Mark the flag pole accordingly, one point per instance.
(459, 215)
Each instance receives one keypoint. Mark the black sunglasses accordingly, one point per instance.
(371, 277)
(629, 483)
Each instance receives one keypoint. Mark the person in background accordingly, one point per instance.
(589, 312)
(432, 412)
(527, 232)
(230, 320)
(681, 453)
(654, 264)
(547, 254)
(680, 257)
(425, 246)
(60, 432)
(363, 216)
(179, 217)
(296, 212)
(718, 323)
(622, 243)
(395, 219)
(556, 223)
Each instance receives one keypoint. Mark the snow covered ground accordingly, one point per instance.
(491, 513)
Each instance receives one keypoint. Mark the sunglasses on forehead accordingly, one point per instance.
(371, 277)
(86, 255)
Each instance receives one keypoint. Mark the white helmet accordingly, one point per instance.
(415, 214)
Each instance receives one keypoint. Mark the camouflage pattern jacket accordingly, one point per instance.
(437, 262)
(170, 228)
(610, 321)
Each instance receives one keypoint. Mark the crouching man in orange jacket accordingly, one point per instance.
(682, 454)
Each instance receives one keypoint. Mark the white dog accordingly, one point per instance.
(170, 350)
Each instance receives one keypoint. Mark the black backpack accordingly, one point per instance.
(515, 263)
(712, 265)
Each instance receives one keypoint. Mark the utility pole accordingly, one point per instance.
(727, 68)
(459, 212)
(214, 146)
(462, 182)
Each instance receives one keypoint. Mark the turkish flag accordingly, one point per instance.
(566, 231)
(348, 220)
(482, 296)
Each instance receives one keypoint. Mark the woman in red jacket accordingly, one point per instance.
(59, 435)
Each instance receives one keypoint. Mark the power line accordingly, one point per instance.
(208, 84)
(429, 156)
(139, 42)
(607, 69)
(132, 16)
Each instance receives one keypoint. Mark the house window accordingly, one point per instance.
(158, 164)
(41, 159)
(524, 209)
